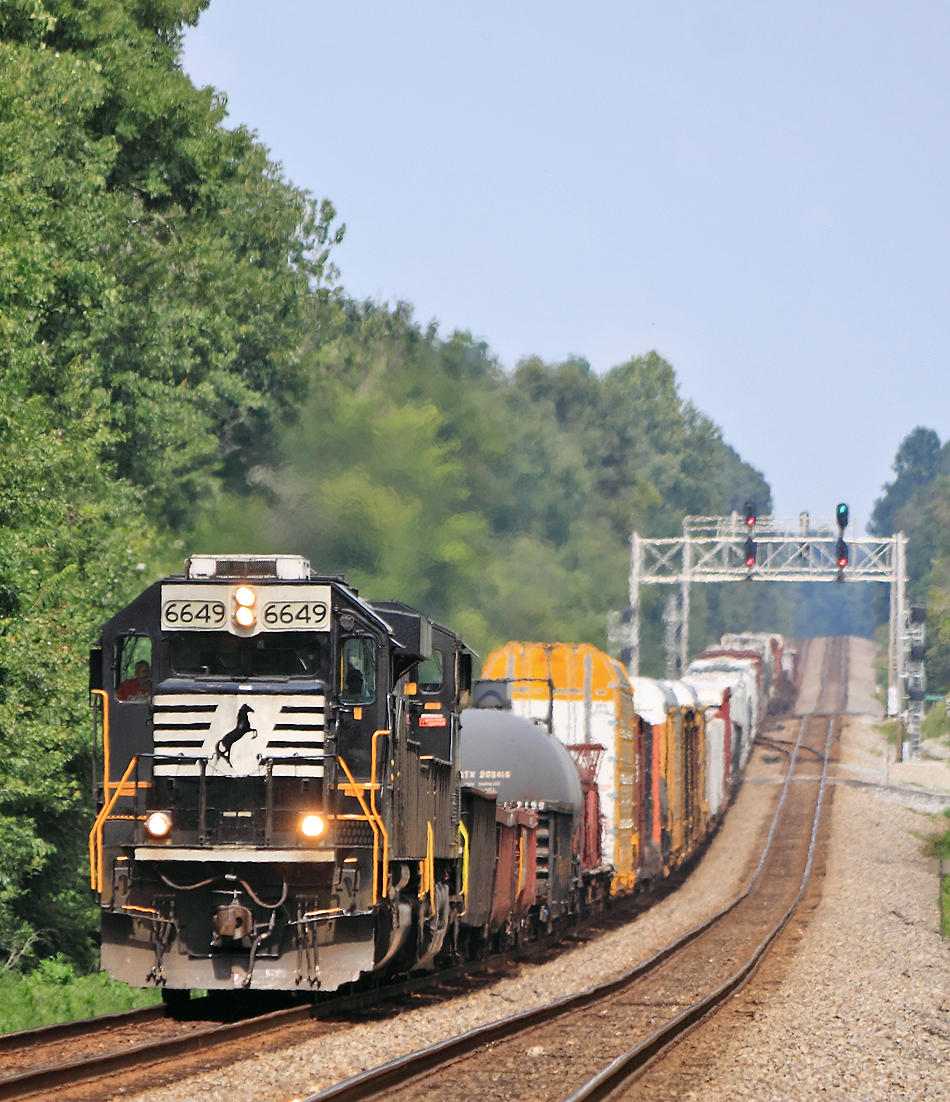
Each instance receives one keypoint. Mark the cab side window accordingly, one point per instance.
(429, 673)
(133, 668)
(357, 670)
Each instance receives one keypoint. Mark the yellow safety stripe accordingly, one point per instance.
(465, 861)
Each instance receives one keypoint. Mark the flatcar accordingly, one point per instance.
(673, 752)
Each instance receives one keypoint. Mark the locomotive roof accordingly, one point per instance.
(132, 613)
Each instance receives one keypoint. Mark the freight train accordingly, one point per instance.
(295, 794)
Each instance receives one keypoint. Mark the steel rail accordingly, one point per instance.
(397, 1072)
(612, 1078)
(635, 1059)
(78, 1071)
(59, 1031)
(199, 1040)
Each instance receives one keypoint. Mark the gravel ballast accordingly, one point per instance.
(864, 1012)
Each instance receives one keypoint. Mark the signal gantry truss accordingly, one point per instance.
(719, 549)
(712, 549)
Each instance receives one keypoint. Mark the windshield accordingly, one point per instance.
(270, 654)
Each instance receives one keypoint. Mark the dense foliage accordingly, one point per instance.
(500, 503)
(157, 277)
(179, 372)
(917, 503)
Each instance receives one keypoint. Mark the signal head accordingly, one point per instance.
(750, 513)
(750, 551)
(841, 515)
(841, 554)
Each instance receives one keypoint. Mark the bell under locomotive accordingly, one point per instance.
(278, 781)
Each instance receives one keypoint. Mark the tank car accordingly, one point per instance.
(277, 781)
(548, 868)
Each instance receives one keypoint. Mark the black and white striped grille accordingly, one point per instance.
(287, 731)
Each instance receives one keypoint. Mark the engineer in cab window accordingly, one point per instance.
(138, 687)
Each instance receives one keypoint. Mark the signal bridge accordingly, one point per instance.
(772, 549)
(713, 549)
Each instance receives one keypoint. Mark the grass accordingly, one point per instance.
(54, 992)
(938, 845)
(935, 723)
(888, 731)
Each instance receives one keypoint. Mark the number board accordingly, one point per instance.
(278, 608)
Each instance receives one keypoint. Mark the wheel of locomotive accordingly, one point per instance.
(176, 1001)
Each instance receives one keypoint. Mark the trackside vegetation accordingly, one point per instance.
(54, 991)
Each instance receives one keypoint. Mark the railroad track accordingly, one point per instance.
(148, 1046)
(59, 1057)
(580, 1047)
(81, 1052)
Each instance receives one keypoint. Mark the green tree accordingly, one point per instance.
(916, 464)
(74, 544)
(916, 503)
(174, 259)
(159, 280)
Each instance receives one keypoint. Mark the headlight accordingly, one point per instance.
(245, 598)
(312, 826)
(158, 824)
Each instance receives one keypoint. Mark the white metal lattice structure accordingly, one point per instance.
(713, 549)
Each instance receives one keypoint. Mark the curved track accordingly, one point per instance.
(142, 1044)
(575, 1036)
(579, 1048)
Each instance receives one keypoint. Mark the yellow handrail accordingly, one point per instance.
(95, 835)
(379, 818)
(354, 790)
(430, 864)
(465, 860)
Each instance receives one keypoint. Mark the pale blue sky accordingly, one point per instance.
(761, 192)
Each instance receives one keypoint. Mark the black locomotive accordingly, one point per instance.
(278, 783)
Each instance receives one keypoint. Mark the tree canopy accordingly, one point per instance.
(181, 371)
(916, 503)
(159, 280)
